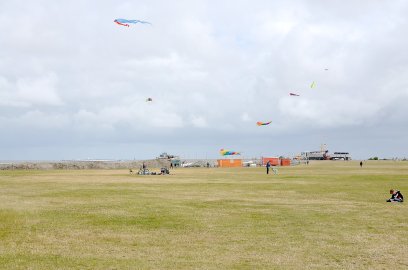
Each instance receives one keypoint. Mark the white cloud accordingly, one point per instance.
(199, 121)
(329, 113)
(30, 91)
(217, 68)
(245, 117)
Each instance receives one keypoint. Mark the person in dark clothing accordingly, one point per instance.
(396, 196)
(361, 164)
(144, 169)
(268, 165)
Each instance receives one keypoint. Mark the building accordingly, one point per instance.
(340, 155)
(274, 161)
(229, 163)
(324, 155)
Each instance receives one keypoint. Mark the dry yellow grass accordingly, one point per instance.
(325, 215)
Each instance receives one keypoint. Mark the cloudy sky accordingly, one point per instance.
(73, 84)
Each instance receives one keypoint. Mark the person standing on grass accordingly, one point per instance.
(361, 164)
(268, 165)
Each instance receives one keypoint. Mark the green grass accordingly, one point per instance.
(325, 215)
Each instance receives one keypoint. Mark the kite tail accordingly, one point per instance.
(124, 24)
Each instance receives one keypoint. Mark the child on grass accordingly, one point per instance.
(396, 196)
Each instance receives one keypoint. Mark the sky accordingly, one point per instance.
(73, 84)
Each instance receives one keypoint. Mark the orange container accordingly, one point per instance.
(273, 160)
(229, 163)
(285, 162)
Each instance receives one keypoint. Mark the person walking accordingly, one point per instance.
(361, 164)
(268, 165)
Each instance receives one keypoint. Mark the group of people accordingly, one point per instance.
(396, 195)
(145, 171)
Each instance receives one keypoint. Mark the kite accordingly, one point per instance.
(224, 152)
(293, 94)
(312, 85)
(125, 22)
(263, 124)
(149, 99)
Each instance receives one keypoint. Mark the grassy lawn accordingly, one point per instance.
(324, 215)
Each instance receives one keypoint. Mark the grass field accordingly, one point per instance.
(325, 215)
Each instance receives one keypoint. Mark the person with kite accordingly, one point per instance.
(268, 165)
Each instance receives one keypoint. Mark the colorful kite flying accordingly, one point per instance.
(224, 152)
(293, 94)
(125, 22)
(312, 85)
(263, 123)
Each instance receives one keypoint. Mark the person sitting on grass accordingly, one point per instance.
(396, 196)
(164, 171)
